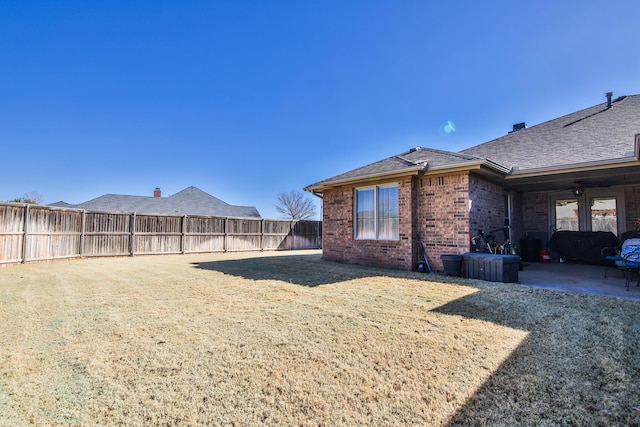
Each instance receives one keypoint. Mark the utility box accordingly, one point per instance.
(492, 267)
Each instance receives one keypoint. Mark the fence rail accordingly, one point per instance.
(39, 233)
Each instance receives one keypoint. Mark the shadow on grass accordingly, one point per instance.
(303, 270)
(579, 365)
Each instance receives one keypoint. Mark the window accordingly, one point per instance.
(604, 214)
(567, 218)
(377, 213)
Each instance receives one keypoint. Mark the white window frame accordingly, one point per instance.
(376, 209)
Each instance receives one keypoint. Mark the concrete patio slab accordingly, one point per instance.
(583, 278)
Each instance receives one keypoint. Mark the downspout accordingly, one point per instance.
(510, 214)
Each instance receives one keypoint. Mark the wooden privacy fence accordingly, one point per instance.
(38, 233)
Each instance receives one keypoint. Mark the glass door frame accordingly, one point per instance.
(584, 200)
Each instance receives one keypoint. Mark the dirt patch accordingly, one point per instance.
(287, 338)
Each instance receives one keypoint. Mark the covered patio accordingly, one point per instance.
(575, 277)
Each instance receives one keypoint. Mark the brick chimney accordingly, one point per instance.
(157, 192)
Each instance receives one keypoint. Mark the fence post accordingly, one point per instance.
(262, 234)
(226, 234)
(184, 234)
(292, 242)
(132, 239)
(25, 245)
(82, 231)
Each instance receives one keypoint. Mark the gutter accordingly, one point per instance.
(576, 167)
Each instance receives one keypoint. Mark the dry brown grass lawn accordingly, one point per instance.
(290, 339)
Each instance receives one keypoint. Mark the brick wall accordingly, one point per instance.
(438, 209)
(337, 222)
(338, 236)
(632, 207)
(517, 218)
(535, 212)
(488, 209)
(442, 218)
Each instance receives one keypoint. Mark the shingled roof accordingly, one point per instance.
(410, 162)
(190, 201)
(595, 134)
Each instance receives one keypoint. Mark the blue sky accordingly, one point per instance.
(247, 99)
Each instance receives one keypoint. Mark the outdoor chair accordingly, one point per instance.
(628, 260)
(612, 254)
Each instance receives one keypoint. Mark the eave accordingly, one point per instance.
(597, 175)
(476, 164)
(320, 187)
(602, 173)
(575, 167)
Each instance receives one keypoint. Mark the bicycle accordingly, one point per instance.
(486, 242)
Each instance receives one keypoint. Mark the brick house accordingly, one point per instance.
(578, 172)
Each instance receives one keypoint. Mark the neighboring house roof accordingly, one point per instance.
(595, 134)
(190, 201)
(601, 134)
(61, 204)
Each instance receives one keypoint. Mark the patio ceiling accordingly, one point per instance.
(599, 176)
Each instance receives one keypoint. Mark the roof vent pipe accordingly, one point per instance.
(609, 96)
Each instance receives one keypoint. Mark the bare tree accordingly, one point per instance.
(295, 205)
(32, 197)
